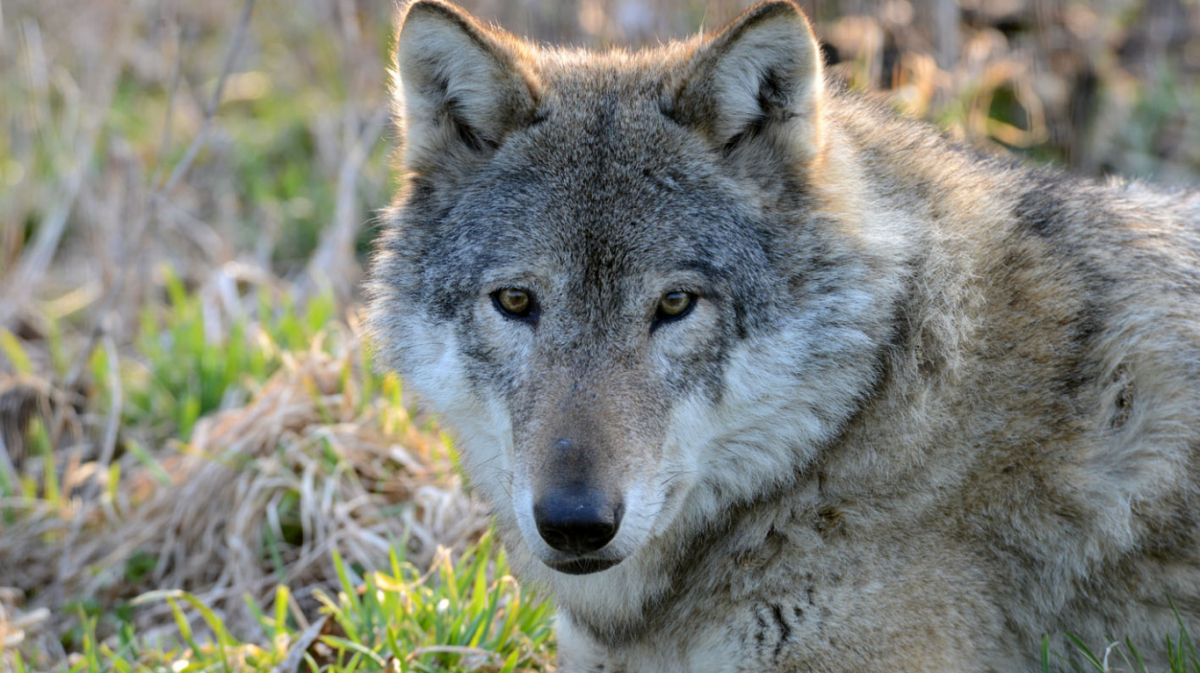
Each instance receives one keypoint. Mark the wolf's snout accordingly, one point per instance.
(577, 521)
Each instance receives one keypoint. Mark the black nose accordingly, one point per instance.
(577, 520)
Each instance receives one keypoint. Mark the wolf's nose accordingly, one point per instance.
(577, 521)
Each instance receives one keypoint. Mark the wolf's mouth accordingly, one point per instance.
(584, 566)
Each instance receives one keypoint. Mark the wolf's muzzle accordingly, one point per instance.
(577, 520)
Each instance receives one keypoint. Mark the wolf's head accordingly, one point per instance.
(635, 284)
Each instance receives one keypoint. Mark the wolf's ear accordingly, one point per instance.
(463, 86)
(759, 78)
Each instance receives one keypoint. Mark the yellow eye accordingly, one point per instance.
(674, 305)
(513, 302)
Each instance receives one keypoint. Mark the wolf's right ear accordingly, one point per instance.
(463, 87)
(757, 80)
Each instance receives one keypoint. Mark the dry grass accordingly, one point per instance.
(260, 495)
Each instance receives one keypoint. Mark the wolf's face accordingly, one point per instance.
(580, 300)
(606, 269)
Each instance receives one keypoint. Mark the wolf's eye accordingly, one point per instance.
(673, 306)
(513, 303)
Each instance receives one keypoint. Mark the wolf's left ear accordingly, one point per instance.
(463, 85)
(758, 79)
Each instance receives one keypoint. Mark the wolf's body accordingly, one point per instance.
(922, 408)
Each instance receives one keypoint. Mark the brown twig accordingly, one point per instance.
(335, 252)
(492, 657)
(37, 258)
(210, 112)
(947, 23)
(112, 423)
(164, 139)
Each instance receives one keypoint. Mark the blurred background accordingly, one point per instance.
(188, 191)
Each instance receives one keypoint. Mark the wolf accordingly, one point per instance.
(758, 376)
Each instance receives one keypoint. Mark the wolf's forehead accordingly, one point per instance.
(606, 183)
(607, 149)
(605, 97)
(594, 204)
(609, 165)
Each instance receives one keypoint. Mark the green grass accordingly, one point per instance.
(182, 365)
(459, 616)
(183, 372)
(1124, 655)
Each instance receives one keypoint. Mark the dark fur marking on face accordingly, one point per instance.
(707, 367)
(706, 268)
(482, 362)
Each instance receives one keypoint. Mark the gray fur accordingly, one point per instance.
(929, 406)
